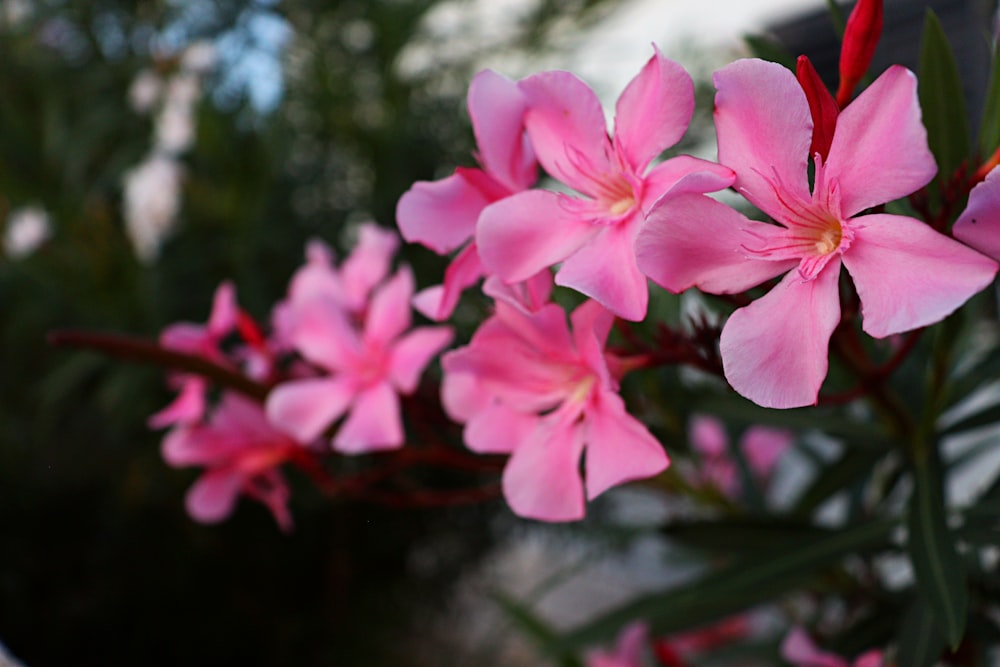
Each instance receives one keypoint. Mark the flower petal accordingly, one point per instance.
(694, 241)
(604, 268)
(774, 351)
(440, 214)
(909, 275)
(497, 106)
(798, 649)
(368, 264)
(305, 408)
(519, 236)
(542, 478)
(979, 224)
(879, 150)
(410, 356)
(619, 447)
(213, 496)
(389, 313)
(567, 128)
(684, 174)
(438, 302)
(373, 424)
(320, 330)
(499, 430)
(462, 395)
(764, 131)
(653, 111)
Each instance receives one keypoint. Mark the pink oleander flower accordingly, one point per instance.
(593, 235)
(528, 386)
(241, 452)
(349, 285)
(979, 224)
(203, 340)
(761, 447)
(368, 366)
(442, 214)
(799, 650)
(907, 275)
(628, 651)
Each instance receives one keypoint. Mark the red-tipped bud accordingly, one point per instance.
(864, 27)
(822, 106)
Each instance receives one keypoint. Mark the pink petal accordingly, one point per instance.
(708, 436)
(519, 236)
(305, 408)
(872, 658)
(187, 407)
(389, 313)
(213, 497)
(462, 396)
(499, 430)
(373, 424)
(270, 489)
(694, 241)
(653, 111)
(187, 337)
(542, 478)
(410, 356)
(497, 106)
(774, 351)
(438, 302)
(619, 447)
(605, 269)
(368, 264)
(684, 174)
(224, 311)
(764, 131)
(591, 325)
(321, 332)
(763, 447)
(879, 150)
(440, 214)
(909, 275)
(799, 650)
(530, 295)
(567, 128)
(189, 445)
(979, 224)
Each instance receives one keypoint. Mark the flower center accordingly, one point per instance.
(828, 238)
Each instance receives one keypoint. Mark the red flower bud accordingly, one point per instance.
(864, 27)
(822, 106)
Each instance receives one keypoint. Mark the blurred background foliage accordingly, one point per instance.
(308, 124)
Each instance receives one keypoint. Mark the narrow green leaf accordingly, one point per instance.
(733, 587)
(534, 627)
(855, 464)
(768, 49)
(985, 417)
(919, 640)
(837, 18)
(936, 565)
(941, 99)
(748, 533)
(989, 132)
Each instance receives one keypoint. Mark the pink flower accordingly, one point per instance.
(240, 452)
(527, 386)
(774, 351)
(979, 224)
(442, 214)
(761, 447)
(368, 368)
(627, 652)
(203, 340)
(593, 236)
(799, 650)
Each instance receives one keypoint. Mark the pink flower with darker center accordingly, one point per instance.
(907, 275)
(593, 235)
(529, 386)
(241, 453)
(760, 446)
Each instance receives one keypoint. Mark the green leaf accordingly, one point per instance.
(919, 640)
(534, 627)
(768, 49)
(752, 533)
(742, 583)
(855, 464)
(989, 415)
(941, 99)
(837, 18)
(989, 132)
(936, 565)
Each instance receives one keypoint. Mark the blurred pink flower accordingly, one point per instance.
(799, 650)
(442, 215)
(368, 368)
(241, 452)
(593, 236)
(628, 650)
(528, 386)
(761, 447)
(907, 275)
(979, 224)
